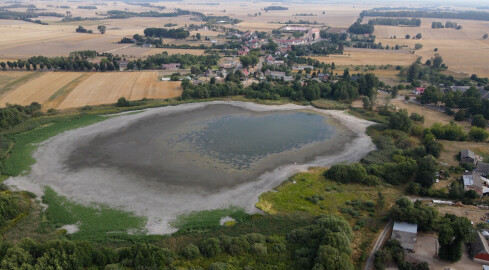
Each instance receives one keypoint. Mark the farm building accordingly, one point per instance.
(172, 66)
(291, 28)
(302, 67)
(482, 169)
(418, 90)
(405, 233)
(467, 156)
(279, 75)
(479, 249)
(473, 182)
(323, 76)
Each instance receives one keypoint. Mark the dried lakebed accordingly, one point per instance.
(163, 162)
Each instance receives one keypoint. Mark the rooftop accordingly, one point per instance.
(405, 227)
(467, 153)
(472, 180)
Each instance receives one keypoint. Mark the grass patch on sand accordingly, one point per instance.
(327, 104)
(204, 220)
(94, 222)
(21, 159)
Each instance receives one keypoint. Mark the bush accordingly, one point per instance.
(400, 121)
(191, 251)
(417, 130)
(122, 102)
(211, 247)
(478, 120)
(460, 115)
(478, 134)
(451, 132)
(417, 117)
(218, 266)
(346, 173)
(259, 249)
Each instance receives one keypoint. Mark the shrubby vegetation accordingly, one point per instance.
(13, 115)
(358, 28)
(453, 231)
(393, 252)
(406, 211)
(344, 90)
(186, 60)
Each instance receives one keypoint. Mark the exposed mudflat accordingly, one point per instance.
(167, 161)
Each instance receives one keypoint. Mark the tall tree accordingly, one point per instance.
(102, 29)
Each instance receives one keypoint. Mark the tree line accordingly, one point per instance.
(463, 15)
(395, 22)
(72, 63)
(447, 24)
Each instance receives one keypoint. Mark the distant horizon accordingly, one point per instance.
(440, 3)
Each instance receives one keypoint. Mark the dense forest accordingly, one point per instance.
(166, 33)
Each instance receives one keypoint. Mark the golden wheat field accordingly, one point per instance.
(64, 90)
(463, 51)
(354, 57)
(105, 88)
(39, 89)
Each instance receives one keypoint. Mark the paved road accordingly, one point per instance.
(378, 244)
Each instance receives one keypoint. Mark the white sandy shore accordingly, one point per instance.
(152, 199)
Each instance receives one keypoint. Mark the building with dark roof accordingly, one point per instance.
(479, 249)
(467, 156)
(482, 169)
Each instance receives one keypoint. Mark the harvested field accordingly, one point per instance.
(463, 51)
(105, 88)
(39, 89)
(352, 57)
(9, 77)
(63, 90)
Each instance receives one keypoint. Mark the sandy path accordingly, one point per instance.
(160, 203)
